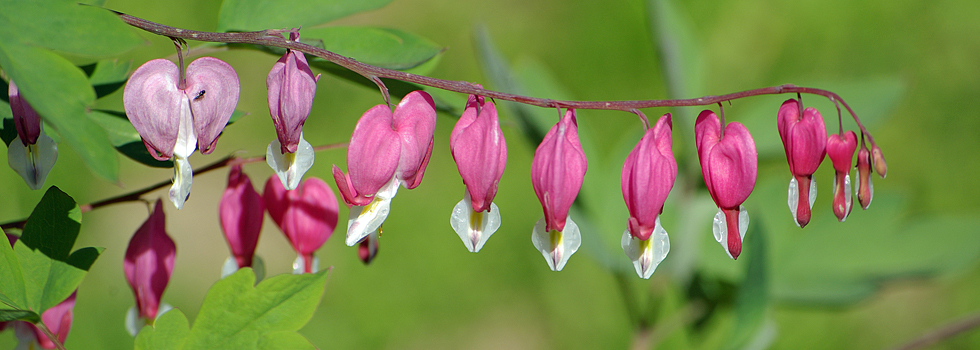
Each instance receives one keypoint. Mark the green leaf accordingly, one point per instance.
(65, 26)
(249, 15)
(124, 137)
(386, 48)
(107, 76)
(237, 315)
(168, 332)
(53, 225)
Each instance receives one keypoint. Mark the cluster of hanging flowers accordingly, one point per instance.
(177, 111)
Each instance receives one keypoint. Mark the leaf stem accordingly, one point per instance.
(229, 160)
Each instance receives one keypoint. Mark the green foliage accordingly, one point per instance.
(56, 88)
(238, 315)
(40, 270)
(248, 15)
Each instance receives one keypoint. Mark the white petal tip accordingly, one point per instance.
(299, 265)
(555, 246)
(474, 228)
(646, 255)
(290, 167)
(183, 179)
(34, 162)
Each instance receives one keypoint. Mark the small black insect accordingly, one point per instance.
(199, 96)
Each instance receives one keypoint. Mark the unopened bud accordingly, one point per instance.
(878, 160)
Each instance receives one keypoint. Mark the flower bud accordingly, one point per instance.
(149, 262)
(840, 149)
(26, 120)
(33, 156)
(291, 86)
(878, 160)
(865, 189)
(306, 215)
(241, 213)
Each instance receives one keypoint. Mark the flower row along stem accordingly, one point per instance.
(273, 38)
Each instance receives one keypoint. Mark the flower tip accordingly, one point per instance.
(367, 250)
(878, 162)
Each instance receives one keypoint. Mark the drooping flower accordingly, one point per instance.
(387, 149)
(57, 319)
(648, 176)
(306, 215)
(805, 140)
(292, 87)
(840, 149)
(557, 172)
(148, 264)
(729, 164)
(480, 152)
(32, 153)
(241, 213)
(176, 113)
(865, 188)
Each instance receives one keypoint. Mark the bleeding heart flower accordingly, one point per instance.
(648, 176)
(241, 213)
(840, 149)
(148, 265)
(386, 150)
(306, 215)
(805, 140)
(32, 153)
(865, 188)
(175, 114)
(480, 152)
(729, 164)
(292, 87)
(557, 172)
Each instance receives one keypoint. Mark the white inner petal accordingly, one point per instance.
(133, 321)
(848, 200)
(186, 138)
(183, 178)
(556, 246)
(34, 162)
(794, 198)
(474, 228)
(813, 192)
(646, 255)
(364, 220)
(719, 227)
(230, 267)
(299, 263)
(290, 167)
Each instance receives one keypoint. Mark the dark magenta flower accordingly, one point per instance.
(840, 149)
(729, 165)
(291, 86)
(648, 176)
(148, 265)
(32, 153)
(176, 113)
(480, 152)
(805, 140)
(306, 215)
(557, 172)
(387, 149)
(241, 213)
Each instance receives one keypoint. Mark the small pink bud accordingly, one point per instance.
(58, 320)
(878, 160)
(241, 212)
(367, 250)
(149, 262)
(174, 120)
(306, 215)
(866, 189)
(805, 140)
(648, 176)
(729, 165)
(840, 150)
(480, 151)
(558, 170)
(26, 120)
(291, 86)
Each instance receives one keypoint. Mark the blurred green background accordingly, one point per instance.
(885, 276)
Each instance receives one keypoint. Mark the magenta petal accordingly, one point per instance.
(241, 212)
(149, 262)
(373, 153)
(840, 150)
(26, 120)
(729, 164)
(292, 87)
(306, 215)
(804, 137)
(557, 171)
(212, 86)
(480, 151)
(415, 122)
(152, 102)
(58, 319)
(648, 176)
